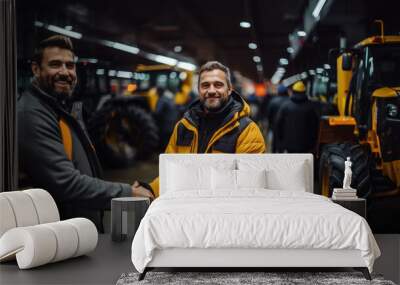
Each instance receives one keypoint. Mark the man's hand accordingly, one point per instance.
(140, 191)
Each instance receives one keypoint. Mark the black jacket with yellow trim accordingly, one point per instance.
(236, 134)
(73, 179)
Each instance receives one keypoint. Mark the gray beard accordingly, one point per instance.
(215, 110)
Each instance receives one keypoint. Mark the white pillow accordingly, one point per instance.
(235, 179)
(188, 177)
(251, 178)
(223, 179)
(290, 179)
(282, 174)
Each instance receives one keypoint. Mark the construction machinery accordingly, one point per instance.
(168, 91)
(120, 124)
(367, 128)
(177, 81)
(136, 112)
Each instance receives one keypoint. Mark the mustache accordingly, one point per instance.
(63, 78)
(213, 95)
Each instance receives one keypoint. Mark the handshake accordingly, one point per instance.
(142, 189)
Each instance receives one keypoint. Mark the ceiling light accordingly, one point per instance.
(177, 48)
(112, 72)
(311, 72)
(38, 24)
(140, 76)
(276, 77)
(123, 47)
(327, 66)
(256, 58)
(290, 50)
(100, 71)
(283, 61)
(318, 8)
(319, 70)
(252, 45)
(259, 67)
(301, 33)
(90, 60)
(124, 74)
(291, 80)
(281, 70)
(68, 28)
(162, 59)
(245, 24)
(187, 66)
(59, 30)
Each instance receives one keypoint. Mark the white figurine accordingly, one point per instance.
(347, 174)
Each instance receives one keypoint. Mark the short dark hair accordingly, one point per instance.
(212, 65)
(53, 41)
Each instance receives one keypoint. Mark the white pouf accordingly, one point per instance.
(31, 232)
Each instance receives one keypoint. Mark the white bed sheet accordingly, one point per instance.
(252, 218)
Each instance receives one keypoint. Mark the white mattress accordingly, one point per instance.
(252, 218)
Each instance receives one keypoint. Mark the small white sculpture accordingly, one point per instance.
(347, 174)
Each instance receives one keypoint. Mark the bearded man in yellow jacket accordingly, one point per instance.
(218, 122)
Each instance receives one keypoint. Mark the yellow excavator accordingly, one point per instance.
(367, 128)
(178, 81)
(168, 92)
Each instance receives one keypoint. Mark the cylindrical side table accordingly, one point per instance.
(126, 214)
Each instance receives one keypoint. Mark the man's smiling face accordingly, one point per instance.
(213, 89)
(56, 73)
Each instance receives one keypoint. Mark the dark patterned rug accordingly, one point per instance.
(229, 278)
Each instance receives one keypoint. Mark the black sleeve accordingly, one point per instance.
(279, 123)
(43, 158)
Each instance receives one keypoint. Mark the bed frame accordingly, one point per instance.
(243, 259)
(252, 258)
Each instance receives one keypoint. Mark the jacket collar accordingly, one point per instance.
(299, 97)
(236, 104)
(52, 100)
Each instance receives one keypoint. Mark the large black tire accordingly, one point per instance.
(331, 169)
(123, 134)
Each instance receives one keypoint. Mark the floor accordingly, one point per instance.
(389, 262)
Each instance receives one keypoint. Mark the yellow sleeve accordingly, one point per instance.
(171, 148)
(155, 185)
(251, 140)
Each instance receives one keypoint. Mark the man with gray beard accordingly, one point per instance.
(218, 122)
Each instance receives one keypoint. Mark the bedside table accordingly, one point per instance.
(126, 214)
(358, 206)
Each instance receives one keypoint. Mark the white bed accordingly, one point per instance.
(267, 218)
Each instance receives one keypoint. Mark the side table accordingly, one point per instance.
(358, 205)
(126, 214)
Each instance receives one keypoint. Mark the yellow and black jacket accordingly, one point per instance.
(229, 131)
(56, 154)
